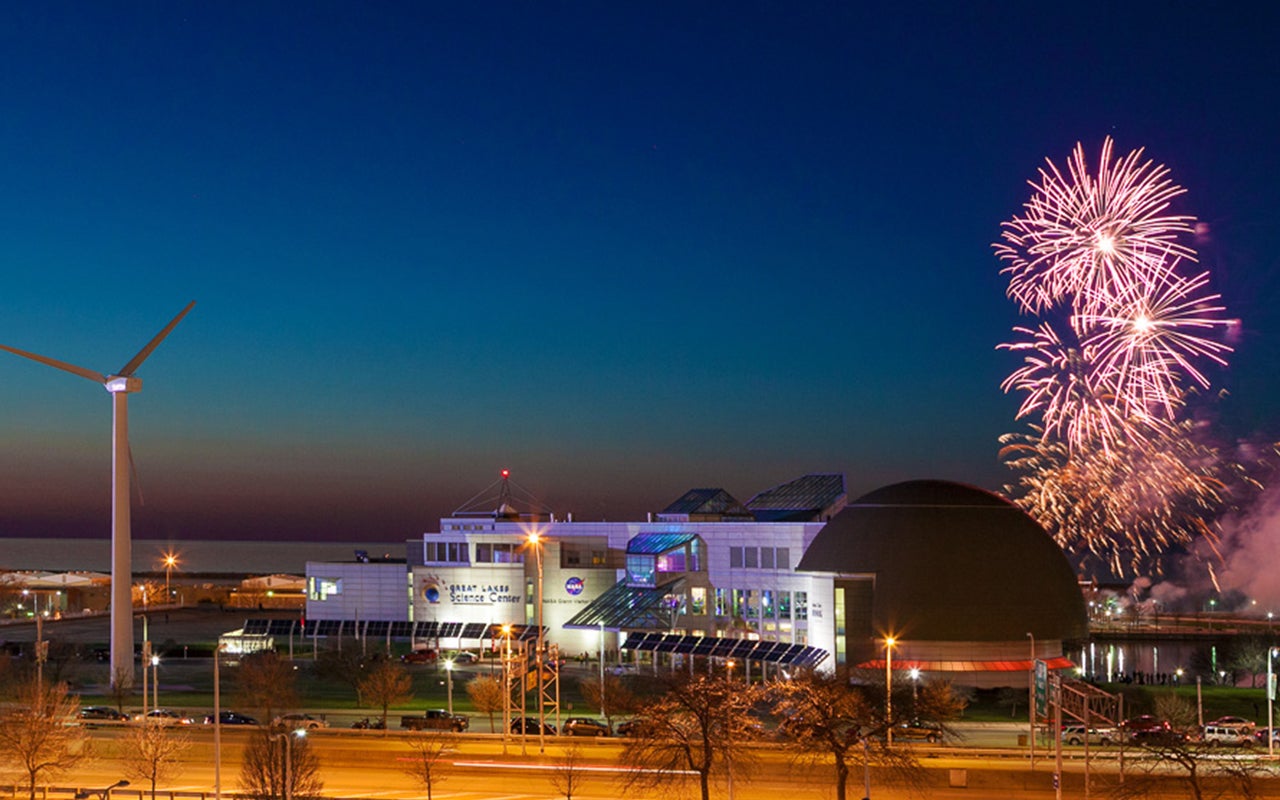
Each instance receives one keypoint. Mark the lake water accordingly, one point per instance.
(254, 557)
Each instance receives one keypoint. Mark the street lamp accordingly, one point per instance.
(287, 736)
(105, 794)
(915, 687)
(535, 541)
(170, 561)
(889, 642)
(448, 676)
(155, 681)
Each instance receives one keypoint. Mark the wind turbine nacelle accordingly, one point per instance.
(122, 383)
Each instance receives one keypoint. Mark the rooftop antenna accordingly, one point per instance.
(120, 385)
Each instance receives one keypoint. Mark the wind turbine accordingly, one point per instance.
(120, 385)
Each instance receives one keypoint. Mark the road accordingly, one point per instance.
(369, 764)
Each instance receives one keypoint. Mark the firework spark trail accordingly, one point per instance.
(1112, 470)
(1085, 235)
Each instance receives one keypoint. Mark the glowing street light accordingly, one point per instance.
(288, 757)
(170, 561)
(889, 642)
(535, 541)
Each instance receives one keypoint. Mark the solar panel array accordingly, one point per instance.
(795, 655)
(382, 628)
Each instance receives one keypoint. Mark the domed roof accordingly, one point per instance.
(952, 562)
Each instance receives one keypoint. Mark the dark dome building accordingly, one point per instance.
(965, 582)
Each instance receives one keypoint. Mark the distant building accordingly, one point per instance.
(785, 567)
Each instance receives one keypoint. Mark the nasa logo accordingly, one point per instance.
(574, 586)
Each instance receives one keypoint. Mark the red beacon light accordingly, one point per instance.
(506, 473)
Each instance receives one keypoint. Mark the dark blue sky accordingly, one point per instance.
(621, 249)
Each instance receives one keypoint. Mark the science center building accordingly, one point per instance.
(965, 583)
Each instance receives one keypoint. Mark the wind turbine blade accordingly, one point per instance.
(133, 365)
(96, 377)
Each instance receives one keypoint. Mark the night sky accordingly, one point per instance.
(622, 249)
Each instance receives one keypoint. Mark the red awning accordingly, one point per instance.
(1061, 662)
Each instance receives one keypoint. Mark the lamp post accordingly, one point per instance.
(1031, 700)
(155, 681)
(889, 642)
(170, 561)
(1271, 698)
(287, 736)
(105, 794)
(535, 540)
(506, 687)
(448, 676)
(217, 725)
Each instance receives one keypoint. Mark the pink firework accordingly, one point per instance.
(1087, 235)
(1145, 342)
(1060, 384)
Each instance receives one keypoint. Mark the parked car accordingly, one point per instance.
(435, 719)
(300, 721)
(584, 726)
(420, 657)
(102, 714)
(528, 726)
(1075, 734)
(1233, 721)
(466, 657)
(1158, 737)
(1228, 735)
(629, 727)
(231, 718)
(918, 731)
(1261, 735)
(164, 716)
(1143, 723)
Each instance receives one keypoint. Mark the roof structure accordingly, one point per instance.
(800, 500)
(716, 647)
(655, 544)
(952, 563)
(707, 503)
(624, 607)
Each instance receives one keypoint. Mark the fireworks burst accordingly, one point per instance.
(1111, 469)
(1091, 236)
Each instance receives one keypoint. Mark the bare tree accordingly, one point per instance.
(151, 751)
(425, 765)
(262, 768)
(344, 664)
(266, 683)
(487, 696)
(1174, 763)
(826, 716)
(39, 736)
(568, 776)
(387, 684)
(698, 725)
(612, 697)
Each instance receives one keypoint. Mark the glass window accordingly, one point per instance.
(739, 603)
(484, 553)
(735, 557)
(752, 557)
(767, 607)
(766, 557)
(802, 605)
(321, 588)
(721, 604)
(698, 600)
(641, 570)
(753, 604)
(784, 605)
(782, 558)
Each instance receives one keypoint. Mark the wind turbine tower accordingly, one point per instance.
(120, 385)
